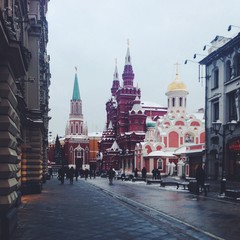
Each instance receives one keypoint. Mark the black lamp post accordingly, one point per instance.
(230, 126)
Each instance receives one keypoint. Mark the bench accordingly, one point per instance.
(168, 183)
(153, 181)
(138, 179)
(184, 184)
(126, 178)
(231, 193)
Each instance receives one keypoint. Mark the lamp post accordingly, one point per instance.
(230, 126)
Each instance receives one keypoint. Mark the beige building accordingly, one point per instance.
(24, 82)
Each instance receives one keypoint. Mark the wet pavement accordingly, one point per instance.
(215, 215)
(94, 210)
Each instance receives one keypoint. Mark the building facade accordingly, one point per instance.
(174, 144)
(24, 83)
(223, 106)
(126, 120)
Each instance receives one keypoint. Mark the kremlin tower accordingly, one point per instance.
(76, 145)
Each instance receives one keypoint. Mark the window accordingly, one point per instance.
(237, 65)
(180, 101)
(160, 164)
(173, 102)
(215, 79)
(228, 70)
(232, 114)
(215, 111)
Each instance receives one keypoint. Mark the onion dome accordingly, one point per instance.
(177, 85)
(150, 123)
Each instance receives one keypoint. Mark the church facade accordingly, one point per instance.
(175, 143)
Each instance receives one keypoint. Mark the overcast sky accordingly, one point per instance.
(91, 34)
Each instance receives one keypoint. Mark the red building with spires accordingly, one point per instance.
(126, 121)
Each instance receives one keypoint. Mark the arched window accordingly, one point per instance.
(236, 66)
(160, 164)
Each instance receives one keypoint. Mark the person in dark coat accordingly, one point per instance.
(144, 173)
(86, 172)
(71, 174)
(158, 175)
(76, 174)
(200, 177)
(154, 172)
(111, 175)
(135, 172)
(61, 174)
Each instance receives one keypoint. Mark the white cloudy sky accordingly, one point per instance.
(90, 34)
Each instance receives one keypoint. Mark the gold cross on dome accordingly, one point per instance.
(177, 65)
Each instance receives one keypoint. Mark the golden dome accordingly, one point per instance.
(177, 85)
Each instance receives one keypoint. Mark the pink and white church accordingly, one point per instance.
(175, 142)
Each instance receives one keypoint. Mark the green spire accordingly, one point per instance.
(76, 93)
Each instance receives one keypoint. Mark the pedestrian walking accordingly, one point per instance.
(135, 172)
(61, 174)
(158, 175)
(200, 177)
(76, 174)
(71, 174)
(154, 173)
(86, 172)
(144, 173)
(111, 175)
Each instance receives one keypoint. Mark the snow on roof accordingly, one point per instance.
(148, 104)
(95, 134)
(187, 149)
(161, 154)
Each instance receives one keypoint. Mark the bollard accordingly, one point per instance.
(223, 185)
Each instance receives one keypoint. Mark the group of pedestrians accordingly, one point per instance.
(70, 173)
(156, 174)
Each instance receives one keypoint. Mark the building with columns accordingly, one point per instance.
(174, 143)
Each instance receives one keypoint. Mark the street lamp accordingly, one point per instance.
(230, 126)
